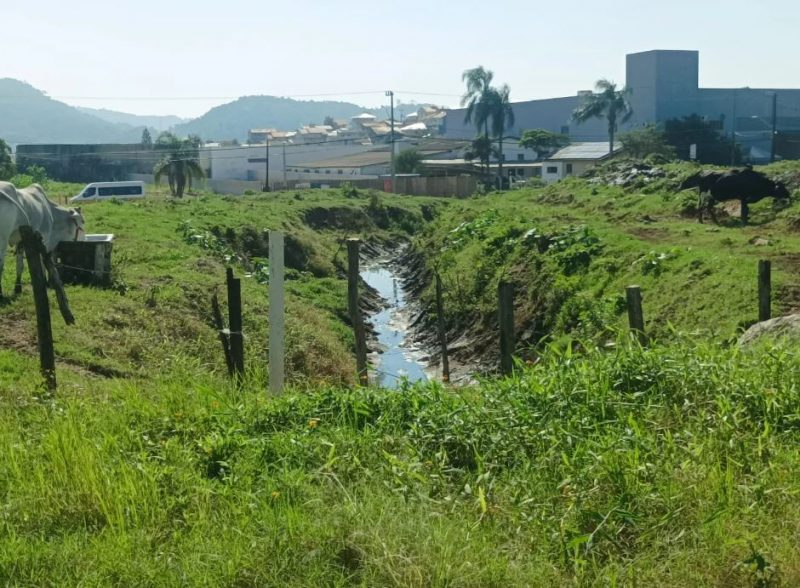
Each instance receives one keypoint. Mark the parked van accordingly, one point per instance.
(109, 190)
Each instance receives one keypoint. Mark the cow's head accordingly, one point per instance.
(780, 191)
(76, 217)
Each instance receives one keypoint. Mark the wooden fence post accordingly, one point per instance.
(235, 322)
(355, 313)
(32, 244)
(635, 314)
(442, 330)
(764, 290)
(276, 313)
(223, 335)
(505, 293)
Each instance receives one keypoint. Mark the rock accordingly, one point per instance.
(760, 241)
(784, 327)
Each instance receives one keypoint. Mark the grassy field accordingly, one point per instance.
(599, 465)
(573, 247)
(170, 257)
(669, 467)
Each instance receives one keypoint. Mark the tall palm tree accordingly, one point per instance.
(502, 115)
(606, 102)
(180, 164)
(481, 149)
(477, 97)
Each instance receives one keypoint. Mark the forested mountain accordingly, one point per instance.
(28, 115)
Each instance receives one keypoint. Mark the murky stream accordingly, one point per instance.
(398, 360)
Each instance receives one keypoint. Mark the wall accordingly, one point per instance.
(551, 114)
(248, 162)
(579, 167)
(90, 162)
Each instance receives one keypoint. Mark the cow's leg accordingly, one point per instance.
(20, 268)
(745, 211)
(2, 263)
(700, 204)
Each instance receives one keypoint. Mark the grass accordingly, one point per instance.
(666, 467)
(573, 247)
(593, 465)
(170, 257)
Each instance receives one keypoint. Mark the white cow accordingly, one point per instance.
(30, 206)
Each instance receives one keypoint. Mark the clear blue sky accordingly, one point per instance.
(203, 49)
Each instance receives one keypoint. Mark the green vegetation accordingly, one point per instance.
(542, 141)
(712, 146)
(490, 108)
(647, 142)
(574, 246)
(597, 463)
(670, 467)
(181, 162)
(170, 257)
(609, 103)
(408, 161)
(7, 167)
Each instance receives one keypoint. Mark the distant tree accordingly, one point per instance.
(649, 140)
(542, 141)
(712, 146)
(502, 115)
(481, 149)
(329, 122)
(478, 97)
(7, 167)
(147, 139)
(180, 163)
(609, 103)
(408, 161)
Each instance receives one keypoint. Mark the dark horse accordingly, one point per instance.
(746, 185)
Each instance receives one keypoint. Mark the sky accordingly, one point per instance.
(183, 57)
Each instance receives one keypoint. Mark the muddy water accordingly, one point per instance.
(398, 358)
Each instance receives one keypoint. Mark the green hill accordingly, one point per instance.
(27, 115)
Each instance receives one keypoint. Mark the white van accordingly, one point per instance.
(109, 190)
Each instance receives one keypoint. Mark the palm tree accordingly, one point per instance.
(180, 163)
(477, 97)
(502, 115)
(606, 102)
(481, 149)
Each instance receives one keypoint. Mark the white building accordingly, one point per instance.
(575, 159)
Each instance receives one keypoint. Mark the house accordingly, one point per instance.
(260, 136)
(576, 159)
(312, 134)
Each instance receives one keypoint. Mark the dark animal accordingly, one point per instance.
(746, 185)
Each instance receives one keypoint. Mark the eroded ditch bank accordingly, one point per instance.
(403, 342)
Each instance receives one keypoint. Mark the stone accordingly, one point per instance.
(783, 327)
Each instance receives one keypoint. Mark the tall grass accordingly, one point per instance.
(667, 466)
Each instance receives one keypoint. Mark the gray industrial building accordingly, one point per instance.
(665, 85)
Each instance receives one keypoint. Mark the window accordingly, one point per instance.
(552, 169)
(340, 172)
(520, 172)
(120, 191)
(520, 157)
(327, 171)
(569, 168)
(89, 192)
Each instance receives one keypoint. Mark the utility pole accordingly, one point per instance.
(285, 183)
(266, 168)
(774, 127)
(733, 133)
(390, 93)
